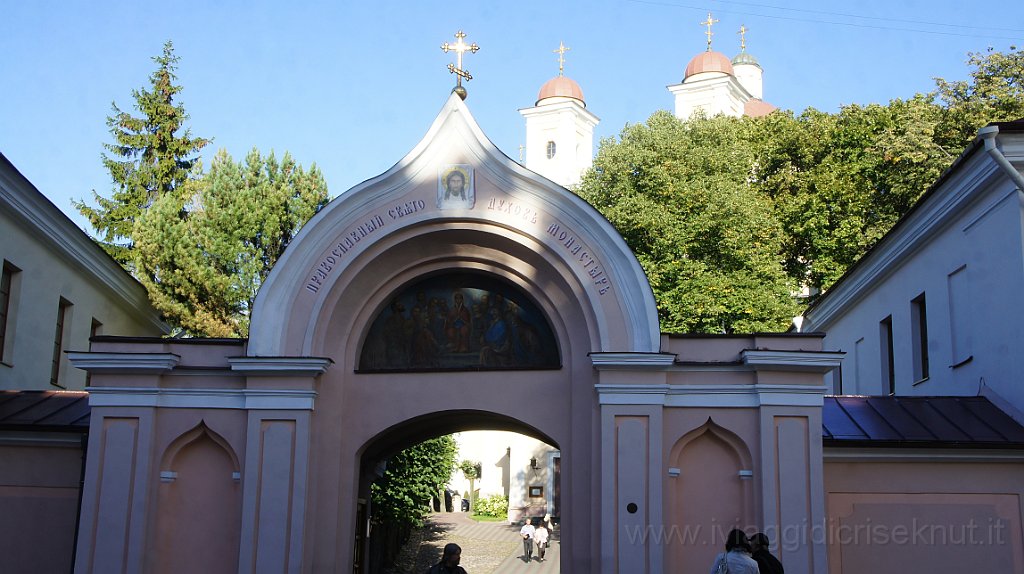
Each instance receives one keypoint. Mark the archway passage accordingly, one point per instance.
(521, 460)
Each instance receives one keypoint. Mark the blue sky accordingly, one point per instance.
(353, 86)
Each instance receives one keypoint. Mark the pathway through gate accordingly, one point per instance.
(487, 547)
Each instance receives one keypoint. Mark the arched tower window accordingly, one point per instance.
(459, 321)
(551, 149)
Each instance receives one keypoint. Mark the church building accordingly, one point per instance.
(449, 292)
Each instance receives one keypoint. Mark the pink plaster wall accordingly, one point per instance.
(38, 505)
(927, 516)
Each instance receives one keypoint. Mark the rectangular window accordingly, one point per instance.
(886, 352)
(919, 332)
(6, 279)
(858, 365)
(959, 317)
(63, 312)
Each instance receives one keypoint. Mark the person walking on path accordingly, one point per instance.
(766, 563)
(449, 563)
(527, 532)
(540, 536)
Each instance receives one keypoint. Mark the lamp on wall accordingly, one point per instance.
(533, 463)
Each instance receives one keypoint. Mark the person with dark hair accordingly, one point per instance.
(736, 558)
(766, 563)
(449, 563)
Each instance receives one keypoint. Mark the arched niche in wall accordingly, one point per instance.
(712, 494)
(459, 321)
(199, 484)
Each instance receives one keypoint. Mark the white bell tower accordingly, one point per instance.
(559, 129)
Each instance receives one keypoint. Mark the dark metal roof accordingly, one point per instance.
(918, 421)
(66, 411)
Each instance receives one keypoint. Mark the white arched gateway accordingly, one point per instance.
(457, 290)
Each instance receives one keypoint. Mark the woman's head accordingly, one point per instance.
(737, 539)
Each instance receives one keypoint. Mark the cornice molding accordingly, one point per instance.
(734, 396)
(631, 361)
(124, 363)
(805, 361)
(245, 399)
(280, 366)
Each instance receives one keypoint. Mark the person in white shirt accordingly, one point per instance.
(527, 533)
(540, 536)
(736, 558)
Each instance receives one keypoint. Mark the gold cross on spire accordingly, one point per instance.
(561, 57)
(459, 47)
(709, 33)
(743, 37)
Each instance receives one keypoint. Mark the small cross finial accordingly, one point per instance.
(561, 57)
(522, 148)
(459, 47)
(743, 37)
(709, 33)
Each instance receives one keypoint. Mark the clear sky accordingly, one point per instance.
(353, 86)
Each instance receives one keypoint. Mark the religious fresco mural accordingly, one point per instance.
(455, 187)
(461, 321)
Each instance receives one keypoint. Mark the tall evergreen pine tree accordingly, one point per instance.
(151, 156)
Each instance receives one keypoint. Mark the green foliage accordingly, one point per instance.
(838, 182)
(495, 505)
(728, 216)
(411, 478)
(470, 469)
(679, 194)
(203, 251)
(994, 93)
(151, 157)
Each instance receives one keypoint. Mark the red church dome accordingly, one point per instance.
(708, 62)
(563, 87)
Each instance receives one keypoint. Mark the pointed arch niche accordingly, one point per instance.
(710, 459)
(199, 484)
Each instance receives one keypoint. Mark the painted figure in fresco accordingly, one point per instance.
(526, 347)
(497, 341)
(424, 345)
(396, 336)
(459, 324)
(455, 185)
(438, 311)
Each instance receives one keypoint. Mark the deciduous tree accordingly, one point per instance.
(680, 194)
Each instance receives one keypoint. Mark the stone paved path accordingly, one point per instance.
(487, 547)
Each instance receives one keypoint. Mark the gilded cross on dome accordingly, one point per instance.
(709, 33)
(460, 47)
(561, 57)
(743, 37)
